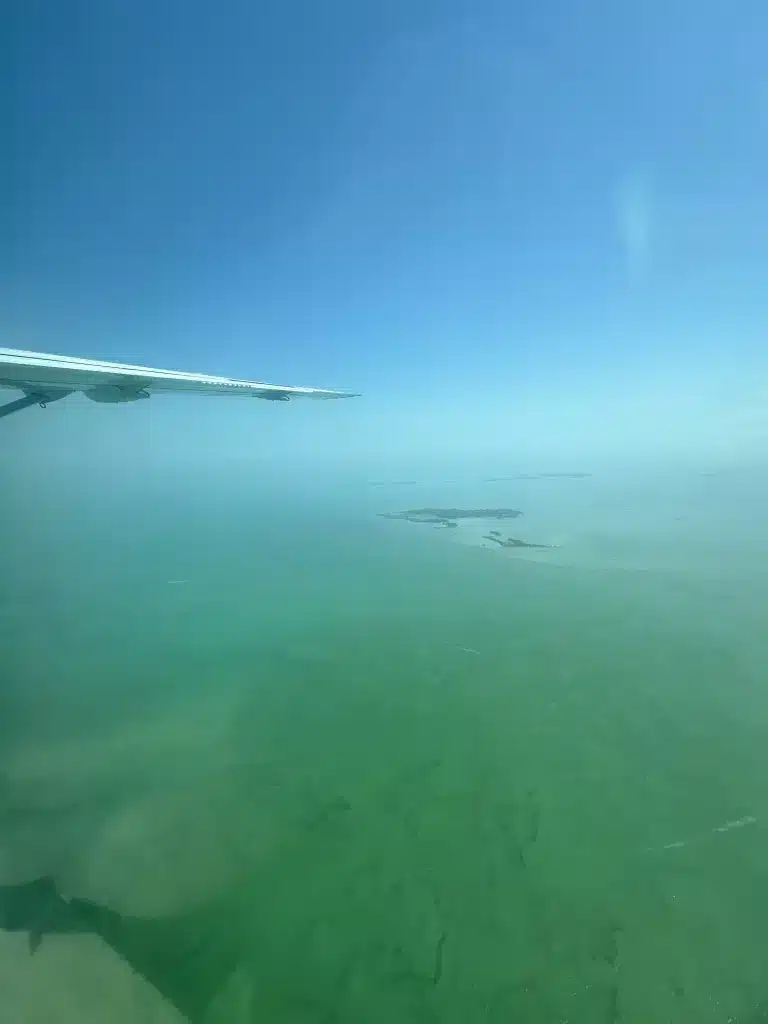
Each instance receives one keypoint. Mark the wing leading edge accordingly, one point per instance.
(46, 378)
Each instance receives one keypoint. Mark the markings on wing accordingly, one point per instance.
(102, 381)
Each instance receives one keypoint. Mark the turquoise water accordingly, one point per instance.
(339, 768)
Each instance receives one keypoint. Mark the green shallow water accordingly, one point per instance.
(349, 772)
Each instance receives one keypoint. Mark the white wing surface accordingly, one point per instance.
(45, 378)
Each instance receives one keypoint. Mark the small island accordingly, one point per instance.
(537, 476)
(448, 516)
(511, 542)
(476, 522)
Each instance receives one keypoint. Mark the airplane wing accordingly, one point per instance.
(46, 378)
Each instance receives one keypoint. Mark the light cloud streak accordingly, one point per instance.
(634, 221)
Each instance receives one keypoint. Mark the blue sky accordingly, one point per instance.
(531, 229)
